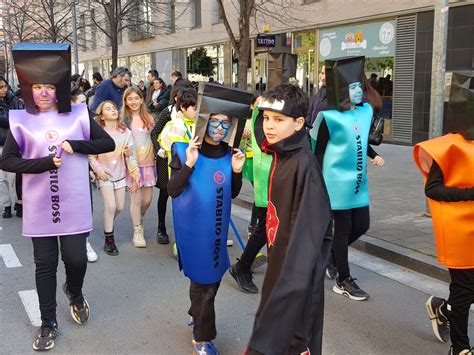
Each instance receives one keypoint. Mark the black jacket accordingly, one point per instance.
(318, 104)
(163, 100)
(10, 102)
(298, 218)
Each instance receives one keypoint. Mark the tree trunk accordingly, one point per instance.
(114, 45)
(244, 59)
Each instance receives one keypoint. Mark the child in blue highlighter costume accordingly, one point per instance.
(342, 147)
(206, 174)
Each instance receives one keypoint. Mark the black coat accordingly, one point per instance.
(163, 100)
(298, 217)
(11, 102)
(161, 163)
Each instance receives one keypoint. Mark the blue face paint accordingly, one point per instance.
(218, 129)
(355, 93)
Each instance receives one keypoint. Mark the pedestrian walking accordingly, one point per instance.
(8, 101)
(447, 164)
(342, 134)
(112, 168)
(112, 89)
(48, 143)
(298, 216)
(137, 118)
(206, 175)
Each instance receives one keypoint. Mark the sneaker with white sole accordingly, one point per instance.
(439, 321)
(462, 352)
(138, 239)
(204, 348)
(91, 254)
(44, 338)
(79, 308)
(350, 289)
(230, 242)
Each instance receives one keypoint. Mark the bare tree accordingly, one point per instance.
(140, 18)
(17, 26)
(41, 20)
(248, 11)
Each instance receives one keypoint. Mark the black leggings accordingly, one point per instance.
(18, 186)
(74, 256)
(256, 242)
(349, 225)
(162, 203)
(202, 310)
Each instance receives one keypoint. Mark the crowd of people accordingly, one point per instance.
(196, 145)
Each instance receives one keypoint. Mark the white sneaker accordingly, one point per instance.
(230, 242)
(138, 239)
(91, 254)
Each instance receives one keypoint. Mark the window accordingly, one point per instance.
(196, 14)
(142, 22)
(216, 15)
(309, 1)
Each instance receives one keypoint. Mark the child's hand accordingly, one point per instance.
(136, 185)
(238, 160)
(246, 133)
(378, 161)
(92, 176)
(127, 151)
(162, 153)
(57, 162)
(67, 147)
(102, 176)
(192, 152)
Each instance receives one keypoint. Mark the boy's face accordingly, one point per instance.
(355, 93)
(218, 127)
(190, 112)
(277, 126)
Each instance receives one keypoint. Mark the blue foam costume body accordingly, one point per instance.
(201, 215)
(345, 158)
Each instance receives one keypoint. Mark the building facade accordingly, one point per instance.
(395, 37)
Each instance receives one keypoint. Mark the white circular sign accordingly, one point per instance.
(325, 47)
(386, 33)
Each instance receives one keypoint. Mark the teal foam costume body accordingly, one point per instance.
(344, 165)
(204, 233)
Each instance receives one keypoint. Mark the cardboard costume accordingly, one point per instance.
(57, 202)
(345, 157)
(201, 212)
(454, 154)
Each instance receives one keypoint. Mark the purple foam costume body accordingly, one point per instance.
(56, 202)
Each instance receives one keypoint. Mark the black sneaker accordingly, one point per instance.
(7, 212)
(44, 338)
(331, 271)
(19, 209)
(162, 237)
(243, 279)
(80, 309)
(439, 322)
(462, 352)
(349, 288)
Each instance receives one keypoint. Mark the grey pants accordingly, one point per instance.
(7, 191)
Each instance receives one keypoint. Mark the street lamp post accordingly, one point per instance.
(74, 37)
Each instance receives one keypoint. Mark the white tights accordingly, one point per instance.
(140, 200)
(114, 201)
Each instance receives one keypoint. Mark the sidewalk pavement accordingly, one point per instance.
(400, 231)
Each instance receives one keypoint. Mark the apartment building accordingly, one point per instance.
(395, 36)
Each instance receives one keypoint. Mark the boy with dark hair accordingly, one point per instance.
(298, 217)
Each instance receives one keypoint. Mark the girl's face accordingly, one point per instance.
(109, 112)
(3, 89)
(355, 93)
(44, 96)
(133, 102)
(218, 127)
(157, 85)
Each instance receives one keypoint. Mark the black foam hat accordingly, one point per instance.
(460, 116)
(219, 99)
(44, 63)
(339, 74)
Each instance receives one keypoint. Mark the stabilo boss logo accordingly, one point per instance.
(52, 136)
(219, 177)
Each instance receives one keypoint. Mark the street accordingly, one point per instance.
(139, 301)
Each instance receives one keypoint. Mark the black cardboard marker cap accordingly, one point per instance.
(340, 73)
(44, 63)
(219, 99)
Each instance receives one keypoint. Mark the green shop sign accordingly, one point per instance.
(376, 39)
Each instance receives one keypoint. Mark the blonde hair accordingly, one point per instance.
(99, 111)
(127, 115)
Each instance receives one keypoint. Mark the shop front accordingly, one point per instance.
(376, 41)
